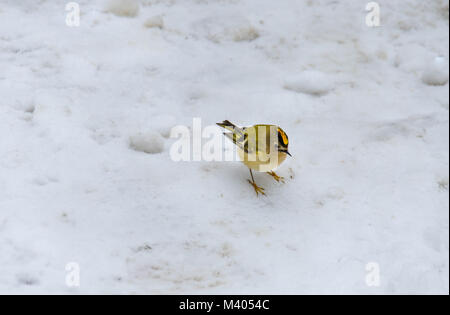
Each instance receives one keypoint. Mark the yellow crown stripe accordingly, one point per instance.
(283, 136)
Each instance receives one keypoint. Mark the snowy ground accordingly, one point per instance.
(366, 110)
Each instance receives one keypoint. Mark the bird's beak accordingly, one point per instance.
(285, 151)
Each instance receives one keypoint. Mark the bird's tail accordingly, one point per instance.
(237, 134)
(228, 126)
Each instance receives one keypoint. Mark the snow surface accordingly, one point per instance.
(437, 72)
(310, 82)
(123, 7)
(368, 182)
(150, 142)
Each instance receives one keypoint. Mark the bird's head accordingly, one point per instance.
(283, 142)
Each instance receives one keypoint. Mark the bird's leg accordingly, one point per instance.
(258, 190)
(276, 177)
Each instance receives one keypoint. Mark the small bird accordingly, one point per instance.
(261, 148)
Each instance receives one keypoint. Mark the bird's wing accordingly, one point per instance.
(238, 139)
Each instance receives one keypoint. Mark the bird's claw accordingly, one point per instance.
(276, 177)
(258, 190)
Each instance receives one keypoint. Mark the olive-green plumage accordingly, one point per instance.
(261, 147)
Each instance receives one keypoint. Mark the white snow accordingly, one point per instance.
(128, 8)
(366, 111)
(310, 82)
(155, 21)
(436, 72)
(149, 142)
(226, 27)
(245, 33)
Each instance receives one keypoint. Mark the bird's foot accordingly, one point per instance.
(258, 190)
(276, 177)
